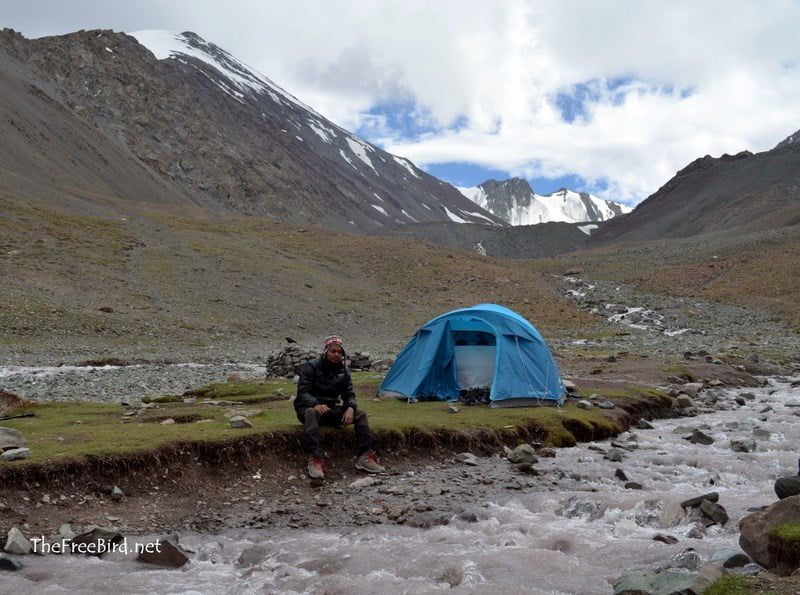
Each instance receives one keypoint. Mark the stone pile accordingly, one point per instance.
(12, 445)
(287, 362)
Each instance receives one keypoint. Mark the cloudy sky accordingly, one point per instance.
(606, 96)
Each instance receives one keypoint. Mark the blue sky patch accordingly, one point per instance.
(470, 174)
(573, 103)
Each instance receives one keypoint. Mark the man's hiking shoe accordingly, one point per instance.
(368, 463)
(315, 468)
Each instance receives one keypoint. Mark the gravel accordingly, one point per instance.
(656, 324)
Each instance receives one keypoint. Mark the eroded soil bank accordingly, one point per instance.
(260, 481)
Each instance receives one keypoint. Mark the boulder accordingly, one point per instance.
(714, 512)
(163, 552)
(524, 453)
(769, 551)
(10, 438)
(96, 541)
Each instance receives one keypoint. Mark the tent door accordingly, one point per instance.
(475, 365)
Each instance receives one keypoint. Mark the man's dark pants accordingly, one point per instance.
(312, 420)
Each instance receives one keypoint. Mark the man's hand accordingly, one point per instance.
(321, 409)
(347, 418)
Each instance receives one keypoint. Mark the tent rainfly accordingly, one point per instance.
(483, 346)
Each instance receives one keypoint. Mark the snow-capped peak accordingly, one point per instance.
(168, 44)
(514, 201)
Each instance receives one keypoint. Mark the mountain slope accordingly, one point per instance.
(515, 201)
(49, 148)
(730, 194)
(218, 134)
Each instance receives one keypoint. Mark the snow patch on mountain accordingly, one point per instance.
(324, 140)
(515, 202)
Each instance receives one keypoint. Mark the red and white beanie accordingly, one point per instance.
(332, 340)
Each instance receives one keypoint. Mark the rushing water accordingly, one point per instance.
(576, 537)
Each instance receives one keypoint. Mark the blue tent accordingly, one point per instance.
(485, 346)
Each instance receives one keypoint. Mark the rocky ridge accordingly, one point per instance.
(214, 133)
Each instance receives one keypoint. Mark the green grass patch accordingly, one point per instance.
(680, 371)
(631, 392)
(731, 584)
(61, 431)
(786, 531)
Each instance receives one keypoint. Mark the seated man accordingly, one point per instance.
(323, 381)
(788, 486)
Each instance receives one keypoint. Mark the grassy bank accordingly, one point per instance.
(60, 434)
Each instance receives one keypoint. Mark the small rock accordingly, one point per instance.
(65, 532)
(11, 438)
(692, 502)
(525, 468)
(17, 543)
(363, 482)
(743, 445)
(700, 437)
(696, 531)
(116, 493)
(96, 541)
(15, 454)
(524, 453)
(688, 559)
(252, 556)
(467, 458)
(10, 563)
(240, 422)
(730, 558)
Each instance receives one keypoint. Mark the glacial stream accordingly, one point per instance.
(577, 534)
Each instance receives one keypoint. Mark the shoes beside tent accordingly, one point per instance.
(485, 346)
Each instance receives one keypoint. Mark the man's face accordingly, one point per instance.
(334, 354)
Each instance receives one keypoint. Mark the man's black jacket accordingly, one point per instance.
(322, 382)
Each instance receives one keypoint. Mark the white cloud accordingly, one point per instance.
(697, 77)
